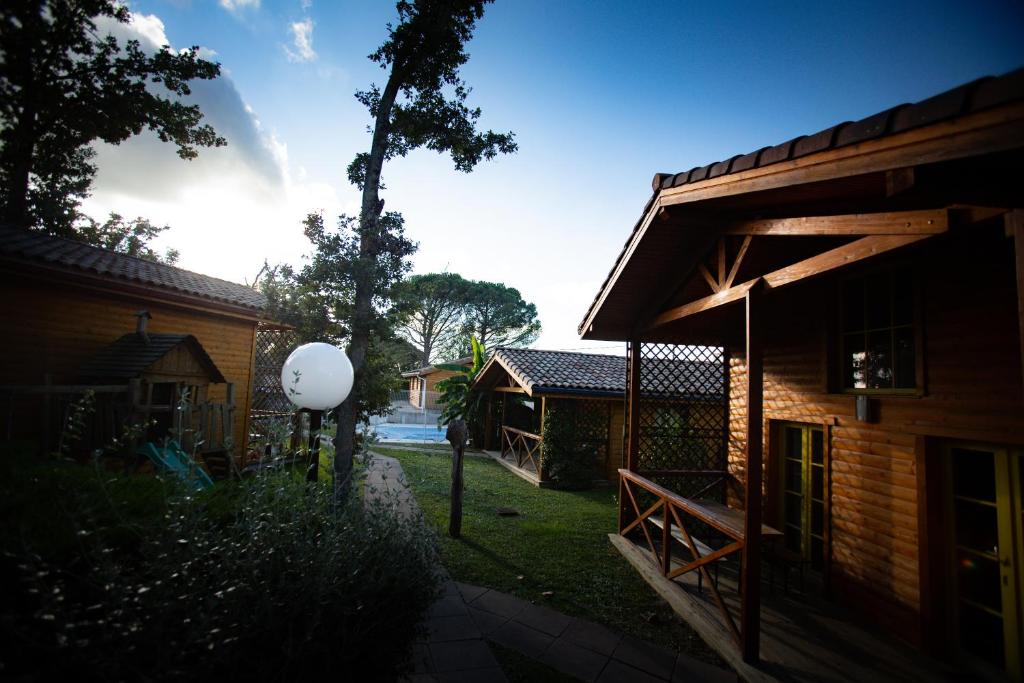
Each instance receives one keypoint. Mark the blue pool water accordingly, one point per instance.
(397, 432)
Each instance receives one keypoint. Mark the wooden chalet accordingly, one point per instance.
(865, 285)
(69, 321)
(423, 382)
(522, 385)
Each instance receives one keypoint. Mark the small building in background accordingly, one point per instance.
(423, 382)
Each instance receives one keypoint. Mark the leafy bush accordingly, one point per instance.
(569, 463)
(133, 578)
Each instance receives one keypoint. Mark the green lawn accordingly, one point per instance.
(557, 543)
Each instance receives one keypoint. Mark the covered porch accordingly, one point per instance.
(832, 274)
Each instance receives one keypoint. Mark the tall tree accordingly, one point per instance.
(126, 237)
(432, 308)
(64, 85)
(422, 104)
(498, 316)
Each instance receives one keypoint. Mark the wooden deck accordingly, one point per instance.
(802, 639)
(526, 472)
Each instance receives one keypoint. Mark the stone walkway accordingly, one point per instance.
(454, 645)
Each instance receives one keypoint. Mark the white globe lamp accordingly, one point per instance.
(317, 376)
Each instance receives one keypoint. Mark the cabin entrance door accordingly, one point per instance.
(802, 480)
(986, 510)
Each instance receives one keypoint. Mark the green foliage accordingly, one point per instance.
(441, 311)
(319, 301)
(568, 461)
(431, 307)
(115, 578)
(458, 399)
(498, 316)
(125, 237)
(65, 84)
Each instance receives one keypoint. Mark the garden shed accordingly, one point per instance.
(582, 395)
(865, 284)
(68, 320)
(423, 382)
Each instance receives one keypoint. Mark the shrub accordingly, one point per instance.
(568, 462)
(259, 580)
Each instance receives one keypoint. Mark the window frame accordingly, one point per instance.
(838, 347)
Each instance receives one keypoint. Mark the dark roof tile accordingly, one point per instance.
(565, 371)
(817, 142)
(746, 162)
(130, 356)
(774, 155)
(991, 92)
(30, 246)
(699, 173)
(938, 108)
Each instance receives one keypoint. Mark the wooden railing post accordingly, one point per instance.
(666, 539)
(750, 580)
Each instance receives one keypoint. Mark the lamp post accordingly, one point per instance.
(316, 377)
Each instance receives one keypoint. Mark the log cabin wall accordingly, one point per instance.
(881, 554)
(54, 328)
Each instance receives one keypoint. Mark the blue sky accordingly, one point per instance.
(601, 95)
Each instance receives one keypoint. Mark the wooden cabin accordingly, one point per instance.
(683, 402)
(866, 286)
(423, 382)
(63, 302)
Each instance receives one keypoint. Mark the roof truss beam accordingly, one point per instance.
(832, 259)
(930, 222)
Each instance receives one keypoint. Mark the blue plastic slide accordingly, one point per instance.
(170, 458)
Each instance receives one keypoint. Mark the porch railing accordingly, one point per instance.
(663, 519)
(524, 446)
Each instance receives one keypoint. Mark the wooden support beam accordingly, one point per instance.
(739, 260)
(633, 406)
(1015, 225)
(509, 390)
(832, 259)
(750, 580)
(721, 262)
(708, 277)
(928, 222)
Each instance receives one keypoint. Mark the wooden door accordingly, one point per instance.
(802, 484)
(985, 508)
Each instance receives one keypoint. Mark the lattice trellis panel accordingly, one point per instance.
(591, 420)
(268, 398)
(683, 416)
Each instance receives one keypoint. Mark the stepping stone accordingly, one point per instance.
(469, 593)
(462, 654)
(646, 657)
(689, 669)
(591, 636)
(500, 604)
(448, 606)
(617, 672)
(488, 675)
(459, 627)
(543, 619)
(522, 639)
(485, 621)
(574, 660)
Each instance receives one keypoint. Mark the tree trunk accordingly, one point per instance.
(369, 226)
(456, 436)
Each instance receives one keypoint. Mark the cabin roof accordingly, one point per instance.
(430, 369)
(566, 372)
(942, 109)
(131, 355)
(38, 249)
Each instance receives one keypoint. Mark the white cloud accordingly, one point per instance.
(233, 5)
(306, 4)
(302, 38)
(230, 208)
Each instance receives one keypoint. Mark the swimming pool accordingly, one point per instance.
(387, 431)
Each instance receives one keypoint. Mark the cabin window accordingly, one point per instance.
(878, 344)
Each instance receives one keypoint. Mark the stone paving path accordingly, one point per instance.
(454, 647)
